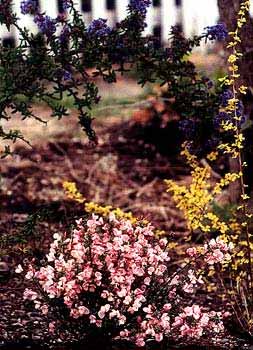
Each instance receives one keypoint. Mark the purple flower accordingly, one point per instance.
(208, 82)
(216, 32)
(239, 108)
(221, 117)
(188, 127)
(139, 6)
(228, 95)
(224, 117)
(66, 75)
(46, 24)
(225, 97)
(29, 7)
(66, 4)
(99, 27)
(64, 35)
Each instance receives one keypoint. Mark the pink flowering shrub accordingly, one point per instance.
(114, 276)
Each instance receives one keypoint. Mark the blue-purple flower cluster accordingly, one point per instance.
(99, 28)
(29, 7)
(217, 32)
(64, 34)
(46, 25)
(66, 4)
(228, 95)
(225, 97)
(67, 75)
(140, 6)
(223, 116)
(188, 127)
(208, 82)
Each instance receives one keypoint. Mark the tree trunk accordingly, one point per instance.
(228, 10)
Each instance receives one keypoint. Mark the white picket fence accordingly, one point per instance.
(192, 15)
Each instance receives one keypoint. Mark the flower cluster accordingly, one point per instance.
(126, 47)
(225, 97)
(213, 252)
(195, 199)
(216, 32)
(188, 127)
(99, 28)
(217, 251)
(66, 4)
(46, 24)
(29, 7)
(193, 321)
(140, 6)
(110, 272)
(67, 75)
(64, 34)
(225, 120)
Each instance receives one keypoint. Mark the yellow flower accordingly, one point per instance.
(232, 58)
(72, 192)
(243, 89)
(212, 156)
(245, 197)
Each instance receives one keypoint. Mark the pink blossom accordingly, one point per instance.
(51, 327)
(167, 307)
(93, 319)
(44, 309)
(159, 337)
(122, 319)
(140, 341)
(74, 313)
(83, 310)
(30, 295)
(192, 252)
(193, 311)
(124, 334)
(29, 275)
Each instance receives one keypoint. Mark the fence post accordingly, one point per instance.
(121, 9)
(168, 13)
(99, 9)
(49, 7)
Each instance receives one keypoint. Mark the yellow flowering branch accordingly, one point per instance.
(237, 145)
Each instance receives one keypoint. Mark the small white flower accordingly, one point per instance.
(231, 245)
(57, 237)
(19, 269)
